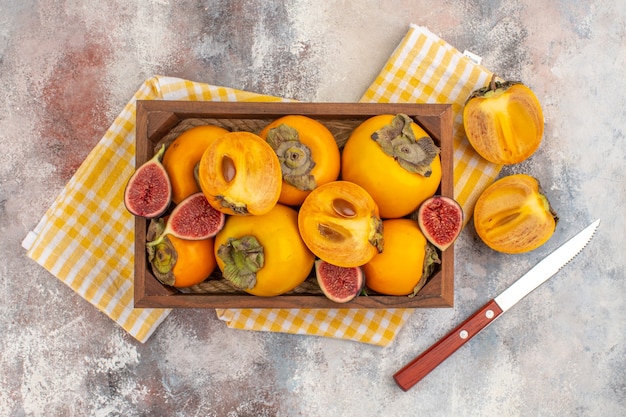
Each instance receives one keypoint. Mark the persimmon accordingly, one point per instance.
(513, 215)
(339, 222)
(182, 156)
(400, 268)
(504, 122)
(239, 174)
(180, 262)
(395, 161)
(308, 154)
(264, 255)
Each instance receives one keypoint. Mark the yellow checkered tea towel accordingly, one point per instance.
(86, 237)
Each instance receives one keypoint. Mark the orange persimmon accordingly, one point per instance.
(339, 222)
(308, 153)
(182, 156)
(395, 161)
(399, 269)
(504, 122)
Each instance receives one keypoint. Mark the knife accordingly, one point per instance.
(421, 366)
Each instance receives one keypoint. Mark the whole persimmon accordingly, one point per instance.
(180, 262)
(403, 267)
(182, 156)
(308, 154)
(264, 255)
(395, 161)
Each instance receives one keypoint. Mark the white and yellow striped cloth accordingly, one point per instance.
(85, 238)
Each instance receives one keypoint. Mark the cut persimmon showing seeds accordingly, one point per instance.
(239, 174)
(513, 215)
(504, 122)
(340, 224)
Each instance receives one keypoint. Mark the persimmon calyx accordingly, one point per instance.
(376, 233)
(295, 158)
(162, 255)
(431, 259)
(243, 258)
(397, 140)
(494, 87)
(236, 207)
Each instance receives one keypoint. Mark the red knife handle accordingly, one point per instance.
(421, 366)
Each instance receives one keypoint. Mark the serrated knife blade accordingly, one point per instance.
(421, 366)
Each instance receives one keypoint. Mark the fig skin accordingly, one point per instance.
(513, 215)
(148, 192)
(239, 173)
(440, 219)
(337, 283)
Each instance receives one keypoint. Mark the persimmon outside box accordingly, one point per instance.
(158, 121)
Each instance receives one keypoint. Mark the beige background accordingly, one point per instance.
(68, 67)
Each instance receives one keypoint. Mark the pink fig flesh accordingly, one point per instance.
(441, 220)
(195, 219)
(148, 192)
(339, 284)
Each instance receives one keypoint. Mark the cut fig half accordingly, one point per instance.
(441, 220)
(339, 284)
(148, 192)
(193, 219)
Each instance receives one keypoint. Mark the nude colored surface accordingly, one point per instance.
(67, 68)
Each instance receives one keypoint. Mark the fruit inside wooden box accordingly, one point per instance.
(160, 122)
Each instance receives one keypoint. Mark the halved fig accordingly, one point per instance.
(440, 220)
(240, 174)
(340, 224)
(339, 284)
(148, 192)
(504, 122)
(513, 215)
(193, 219)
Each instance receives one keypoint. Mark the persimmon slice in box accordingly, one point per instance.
(239, 174)
(340, 224)
(504, 122)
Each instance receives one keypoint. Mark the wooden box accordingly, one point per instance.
(159, 121)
